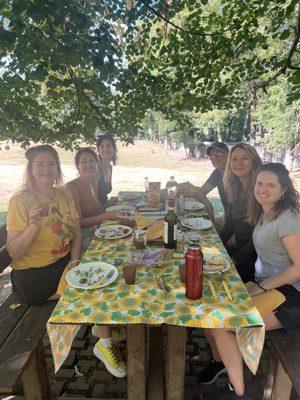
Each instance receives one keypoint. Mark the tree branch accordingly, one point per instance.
(88, 99)
(159, 15)
(73, 77)
(288, 62)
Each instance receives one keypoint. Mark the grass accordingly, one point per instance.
(134, 163)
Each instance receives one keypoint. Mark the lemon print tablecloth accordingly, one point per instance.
(145, 303)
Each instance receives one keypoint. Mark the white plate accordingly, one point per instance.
(196, 223)
(192, 204)
(120, 207)
(113, 231)
(92, 275)
(214, 269)
(128, 196)
(193, 237)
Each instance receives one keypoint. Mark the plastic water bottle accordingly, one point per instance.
(171, 191)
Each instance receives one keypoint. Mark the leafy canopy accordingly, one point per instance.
(68, 67)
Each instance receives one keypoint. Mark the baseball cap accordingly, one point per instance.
(217, 145)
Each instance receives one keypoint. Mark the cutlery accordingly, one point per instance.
(158, 282)
(165, 286)
(109, 275)
(226, 288)
(161, 283)
(212, 289)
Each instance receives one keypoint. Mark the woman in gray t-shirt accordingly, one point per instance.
(274, 210)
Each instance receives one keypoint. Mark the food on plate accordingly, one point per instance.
(217, 260)
(215, 263)
(113, 231)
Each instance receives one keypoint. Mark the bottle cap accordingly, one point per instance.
(194, 248)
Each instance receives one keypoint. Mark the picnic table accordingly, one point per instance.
(143, 304)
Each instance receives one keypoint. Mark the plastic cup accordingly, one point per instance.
(44, 209)
(129, 273)
(182, 273)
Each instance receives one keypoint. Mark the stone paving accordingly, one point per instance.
(96, 382)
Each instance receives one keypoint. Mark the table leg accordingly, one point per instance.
(155, 383)
(175, 362)
(136, 362)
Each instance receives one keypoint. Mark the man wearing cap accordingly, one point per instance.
(218, 154)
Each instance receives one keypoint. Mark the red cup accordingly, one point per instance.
(129, 273)
(44, 209)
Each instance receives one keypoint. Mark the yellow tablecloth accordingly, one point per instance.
(145, 303)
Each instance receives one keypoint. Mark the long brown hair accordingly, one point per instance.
(289, 200)
(112, 140)
(30, 154)
(232, 183)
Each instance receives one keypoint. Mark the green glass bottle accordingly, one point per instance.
(170, 227)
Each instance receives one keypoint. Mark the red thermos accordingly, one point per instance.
(194, 272)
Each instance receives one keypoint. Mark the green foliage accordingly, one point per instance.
(194, 128)
(68, 67)
(280, 120)
(59, 62)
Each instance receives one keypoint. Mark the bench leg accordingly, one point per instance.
(35, 376)
(136, 362)
(278, 384)
(175, 362)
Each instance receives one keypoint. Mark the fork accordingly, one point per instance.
(161, 283)
(158, 282)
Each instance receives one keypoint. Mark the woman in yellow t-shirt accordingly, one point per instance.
(43, 229)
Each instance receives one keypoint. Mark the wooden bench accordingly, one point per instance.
(283, 377)
(22, 360)
(22, 328)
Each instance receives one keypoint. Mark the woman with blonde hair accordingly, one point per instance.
(43, 230)
(239, 178)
